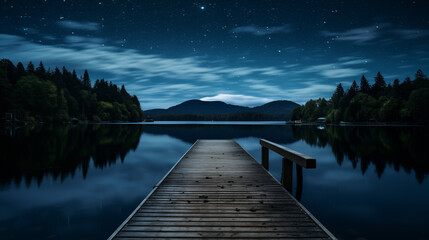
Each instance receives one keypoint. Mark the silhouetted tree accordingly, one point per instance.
(40, 70)
(30, 67)
(338, 94)
(378, 86)
(353, 89)
(364, 85)
(20, 71)
(86, 80)
(419, 75)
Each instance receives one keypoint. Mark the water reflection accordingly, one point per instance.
(400, 147)
(83, 181)
(190, 133)
(32, 153)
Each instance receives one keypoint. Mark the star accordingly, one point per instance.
(202, 7)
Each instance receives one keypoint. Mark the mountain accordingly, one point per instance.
(279, 109)
(220, 111)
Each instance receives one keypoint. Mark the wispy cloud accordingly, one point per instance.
(242, 100)
(346, 61)
(341, 73)
(73, 39)
(310, 90)
(90, 53)
(411, 33)
(383, 33)
(267, 89)
(89, 26)
(359, 36)
(261, 31)
(333, 70)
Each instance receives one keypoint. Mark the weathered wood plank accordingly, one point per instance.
(217, 190)
(222, 234)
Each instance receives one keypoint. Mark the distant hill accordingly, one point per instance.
(197, 110)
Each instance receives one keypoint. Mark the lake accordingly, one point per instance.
(82, 181)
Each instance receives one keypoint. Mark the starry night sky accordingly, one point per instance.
(242, 52)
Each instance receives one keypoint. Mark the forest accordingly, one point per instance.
(400, 102)
(34, 94)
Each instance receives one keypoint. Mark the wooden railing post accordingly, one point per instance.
(264, 157)
(287, 174)
(298, 182)
(289, 158)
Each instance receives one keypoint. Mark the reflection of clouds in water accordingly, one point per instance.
(250, 144)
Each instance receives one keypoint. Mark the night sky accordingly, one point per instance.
(241, 52)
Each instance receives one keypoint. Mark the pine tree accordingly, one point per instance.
(364, 85)
(74, 75)
(338, 94)
(123, 91)
(396, 84)
(354, 88)
(379, 86)
(419, 75)
(339, 91)
(30, 67)
(379, 81)
(40, 70)
(86, 80)
(20, 69)
(65, 71)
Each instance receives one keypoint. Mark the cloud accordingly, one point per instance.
(341, 73)
(346, 61)
(333, 70)
(241, 100)
(310, 90)
(267, 89)
(341, 69)
(79, 39)
(411, 33)
(358, 36)
(90, 53)
(169, 89)
(89, 26)
(384, 33)
(261, 31)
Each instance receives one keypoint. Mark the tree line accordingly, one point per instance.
(406, 102)
(242, 116)
(36, 94)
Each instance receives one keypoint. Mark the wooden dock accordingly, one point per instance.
(219, 191)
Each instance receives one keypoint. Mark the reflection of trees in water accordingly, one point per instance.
(60, 151)
(400, 147)
(190, 133)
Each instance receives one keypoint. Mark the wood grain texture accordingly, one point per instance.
(218, 191)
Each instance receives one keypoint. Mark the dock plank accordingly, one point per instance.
(218, 191)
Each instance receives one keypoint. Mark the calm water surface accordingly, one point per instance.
(81, 182)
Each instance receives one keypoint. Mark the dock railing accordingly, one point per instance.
(289, 157)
